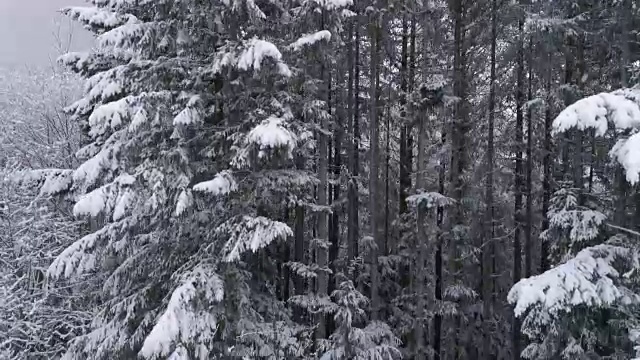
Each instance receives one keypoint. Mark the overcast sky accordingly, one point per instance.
(28, 28)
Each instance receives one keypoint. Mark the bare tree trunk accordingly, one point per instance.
(334, 235)
(439, 280)
(299, 244)
(547, 167)
(388, 247)
(517, 247)
(528, 243)
(458, 151)
(578, 164)
(621, 203)
(421, 246)
(488, 251)
(405, 169)
(321, 248)
(374, 168)
(354, 217)
(421, 234)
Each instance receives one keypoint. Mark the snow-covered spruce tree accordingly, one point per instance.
(189, 163)
(586, 304)
(572, 227)
(375, 341)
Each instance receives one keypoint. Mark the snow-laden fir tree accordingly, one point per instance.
(589, 301)
(375, 341)
(192, 133)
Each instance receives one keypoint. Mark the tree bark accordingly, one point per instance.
(421, 234)
(374, 153)
(517, 247)
(299, 244)
(323, 240)
(421, 245)
(488, 246)
(354, 203)
(528, 242)
(547, 167)
(405, 169)
(458, 153)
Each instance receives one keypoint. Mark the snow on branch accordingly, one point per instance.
(190, 114)
(78, 258)
(429, 200)
(535, 22)
(272, 133)
(627, 153)
(97, 17)
(49, 181)
(185, 200)
(109, 116)
(88, 173)
(619, 110)
(249, 233)
(56, 182)
(310, 39)
(334, 4)
(621, 107)
(587, 279)
(124, 36)
(222, 184)
(76, 61)
(113, 199)
(254, 52)
(565, 215)
(183, 322)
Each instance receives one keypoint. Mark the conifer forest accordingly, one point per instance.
(326, 179)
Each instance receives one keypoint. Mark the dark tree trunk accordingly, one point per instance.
(517, 246)
(353, 231)
(488, 245)
(528, 247)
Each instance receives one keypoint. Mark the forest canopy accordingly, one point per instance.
(327, 179)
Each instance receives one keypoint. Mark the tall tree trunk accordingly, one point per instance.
(623, 187)
(421, 245)
(488, 246)
(404, 160)
(458, 161)
(374, 153)
(285, 274)
(354, 161)
(421, 234)
(578, 163)
(299, 244)
(547, 165)
(438, 258)
(439, 280)
(323, 149)
(388, 247)
(405, 169)
(334, 235)
(528, 243)
(517, 247)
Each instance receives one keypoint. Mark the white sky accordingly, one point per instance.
(28, 31)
